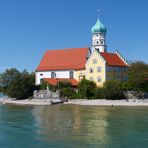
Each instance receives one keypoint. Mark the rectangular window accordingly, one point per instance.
(125, 69)
(99, 69)
(119, 69)
(115, 69)
(109, 68)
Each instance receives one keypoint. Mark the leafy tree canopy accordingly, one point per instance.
(17, 84)
(7, 77)
(138, 75)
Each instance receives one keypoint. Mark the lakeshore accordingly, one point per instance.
(96, 102)
(104, 102)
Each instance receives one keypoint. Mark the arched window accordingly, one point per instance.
(102, 42)
(91, 70)
(71, 75)
(94, 61)
(53, 75)
(99, 79)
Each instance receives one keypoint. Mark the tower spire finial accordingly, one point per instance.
(98, 10)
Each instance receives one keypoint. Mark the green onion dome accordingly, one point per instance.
(98, 28)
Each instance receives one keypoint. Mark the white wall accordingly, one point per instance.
(47, 74)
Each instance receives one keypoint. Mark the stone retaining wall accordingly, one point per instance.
(46, 94)
(136, 95)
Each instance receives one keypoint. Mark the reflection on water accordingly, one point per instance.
(72, 126)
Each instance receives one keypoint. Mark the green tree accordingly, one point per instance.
(21, 85)
(113, 90)
(86, 89)
(138, 73)
(7, 77)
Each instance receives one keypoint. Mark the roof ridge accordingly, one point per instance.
(121, 57)
(64, 65)
(66, 49)
(113, 59)
(107, 53)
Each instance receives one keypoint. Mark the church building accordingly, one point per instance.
(73, 64)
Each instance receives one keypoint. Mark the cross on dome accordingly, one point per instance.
(98, 27)
(98, 10)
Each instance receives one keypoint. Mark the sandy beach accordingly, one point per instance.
(98, 102)
(104, 102)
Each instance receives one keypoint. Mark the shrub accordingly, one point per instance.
(145, 87)
(99, 93)
(67, 93)
(126, 86)
(86, 89)
(43, 85)
(77, 96)
(113, 90)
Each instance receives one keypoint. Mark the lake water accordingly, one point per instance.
(72, 126)
(1, 95)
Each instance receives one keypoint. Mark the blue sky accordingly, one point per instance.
(29, 27)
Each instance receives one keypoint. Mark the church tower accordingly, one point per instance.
(99, 37)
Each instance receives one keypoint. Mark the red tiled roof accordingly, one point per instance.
(55, 81)
(74, 58)
(113, 59)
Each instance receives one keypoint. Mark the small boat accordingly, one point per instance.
(56, 102)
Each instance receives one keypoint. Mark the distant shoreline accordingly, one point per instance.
(97, 102)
